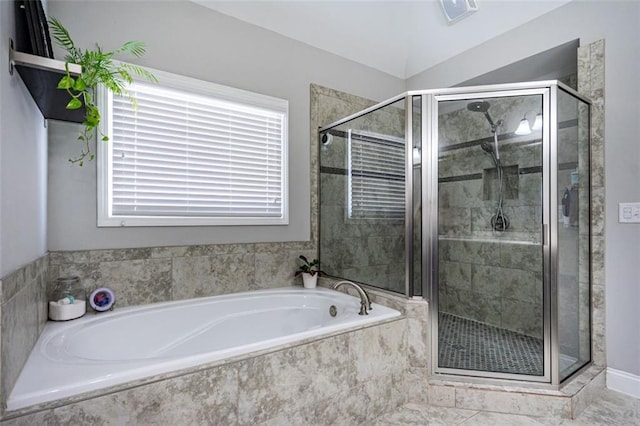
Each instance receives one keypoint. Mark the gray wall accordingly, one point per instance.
(23, 184)
(619, 24)
(23, 170)
(188, 39)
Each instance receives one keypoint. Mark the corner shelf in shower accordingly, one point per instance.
(41, 76)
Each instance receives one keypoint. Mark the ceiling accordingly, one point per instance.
(401, 38)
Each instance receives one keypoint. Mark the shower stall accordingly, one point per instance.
(478, 200)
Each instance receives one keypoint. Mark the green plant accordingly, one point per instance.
(98, 67)
(309, 267)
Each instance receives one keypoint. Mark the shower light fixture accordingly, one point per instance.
(417, 155)
(537, 124)
(523, 127)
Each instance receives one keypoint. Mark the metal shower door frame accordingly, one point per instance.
(430, 221)
(429, 194)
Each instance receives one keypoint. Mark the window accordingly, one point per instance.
(192, 153)
(376, 176)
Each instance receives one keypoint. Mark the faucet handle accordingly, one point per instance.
(363, 308)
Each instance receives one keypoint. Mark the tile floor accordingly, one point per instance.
(612, 409)
(471, 345)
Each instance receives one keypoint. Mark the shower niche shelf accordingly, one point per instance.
(41, 76)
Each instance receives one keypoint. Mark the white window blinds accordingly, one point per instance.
(181, 158)
(376, 176)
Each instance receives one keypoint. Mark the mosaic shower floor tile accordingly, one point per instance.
(470, 345)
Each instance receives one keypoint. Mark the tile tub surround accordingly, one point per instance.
(23, 316)
(345, 378)
(591, 83)
(611, 408)
(566, 403)
(160, 274)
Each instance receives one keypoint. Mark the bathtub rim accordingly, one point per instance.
(30, 409)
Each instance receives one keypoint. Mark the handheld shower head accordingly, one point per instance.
(487, 147)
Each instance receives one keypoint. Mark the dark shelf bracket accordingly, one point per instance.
(41, 76)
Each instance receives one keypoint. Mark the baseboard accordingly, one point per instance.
(623, 382)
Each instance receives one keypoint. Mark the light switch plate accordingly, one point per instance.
(629, 212)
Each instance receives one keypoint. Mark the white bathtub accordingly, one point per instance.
(112, 348)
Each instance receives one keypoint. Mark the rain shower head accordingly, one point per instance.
(481, 106)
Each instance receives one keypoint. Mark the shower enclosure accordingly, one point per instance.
(476, 199)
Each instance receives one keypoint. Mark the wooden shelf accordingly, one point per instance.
(41, 76)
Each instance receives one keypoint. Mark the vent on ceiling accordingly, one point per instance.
(455, 10)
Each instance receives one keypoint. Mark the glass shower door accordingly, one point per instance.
(490, 291)
(573, 171)
(363, 168)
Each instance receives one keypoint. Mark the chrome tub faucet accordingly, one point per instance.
(365, 300)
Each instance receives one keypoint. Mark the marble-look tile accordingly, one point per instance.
(588, 394)
(22, 320)
(275, 269)
(454, 221)
(389, 357)
(200, 276)
(420, 415)
(597, 163)
(492, 419)
(598, 312)
(11, 284)
(62, 257)
(136, 282)
(486, 280)
(203, 398)
(472, 305)
(481, 253)
(169, 252)
(522, 317)
(323, 412)
(417, 385)
(609, 408)
(442, 396)
(14, 282)
(41, 418)
(288, 380)
(520, 285)
(455, 274)
(111, 255)
(418, 342)
(521, 256)
(513, 403)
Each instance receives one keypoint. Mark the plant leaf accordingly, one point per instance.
(74, 103)
(66, 82)
(135, 48)
(62, 37)
(79, 85)
(141, 72)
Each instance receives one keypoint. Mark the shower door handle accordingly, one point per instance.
(545, 234)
